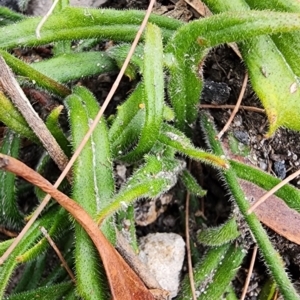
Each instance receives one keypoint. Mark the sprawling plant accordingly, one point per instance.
(150, 131)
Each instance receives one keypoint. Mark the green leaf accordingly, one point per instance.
(191, 184)
(53, 125)
(217, 236)
(53, 292)
(35, 77)
(11, 117)
(93, 187)
(74, 23)
(154, 93)
(174, 138)
(287, 43)
(187, 49)
(70, 66)
(268, 291)
(119, 54)
(126, 128)
(55, 230)
(7, 268)
(151, 180)
(288, 193)
(204, 270)
(272, 77)
(8, 16)
(10, 215)
(270, 255)
(224, 274)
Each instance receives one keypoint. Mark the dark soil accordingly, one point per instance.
(279, 155)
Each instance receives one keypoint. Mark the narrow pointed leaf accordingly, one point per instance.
(71, 66)
(74, 23)
(10, 215)
(217, 236)
(92, 187)
(174, 138)
(154, 93)
(164, 173)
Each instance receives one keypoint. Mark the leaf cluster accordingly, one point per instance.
(150, 132)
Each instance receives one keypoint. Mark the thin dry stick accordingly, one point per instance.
(249, 273)
(8, 232)
(63, 261)
(10, 86)
(272, 191)
(187, 241)
(85, 139)
(229, 106)
(122, 280)
(44, 19)
(242, 92)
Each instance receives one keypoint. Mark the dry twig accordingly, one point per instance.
(242, 92)
(63, 261)
(272, 191)
(249, 273)
(229, 106)
(10, 86)
(187, 241)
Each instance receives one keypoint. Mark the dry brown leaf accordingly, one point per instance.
(274, 212)
(123, 282)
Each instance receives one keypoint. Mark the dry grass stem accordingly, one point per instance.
(63, 261)
(236, 108)
(229, 106)
(272, 191)
(187, 241)
(10, 86)
(44, 19)
(246, 285)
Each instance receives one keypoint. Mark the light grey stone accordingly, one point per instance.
(164, 255)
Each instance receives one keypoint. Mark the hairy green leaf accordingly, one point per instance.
(191, 184)
(53, 292)
(93, 187)
(70, 66)
(154, 93)
(34, 76)
(53, 125)
(10, 215)
(11, 117)
(270, 255)
(204, 271)
(128, 122)
(217, 236)
(224, 274)
(174, 138)
(272, 78)
(288, 193)
(155, 177)
(187, 54)
(73, 23)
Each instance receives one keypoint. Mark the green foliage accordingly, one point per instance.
(220, 235)
(10, 215)
(146, 133)
(272, 68)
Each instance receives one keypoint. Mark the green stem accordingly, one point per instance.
(270, 255)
